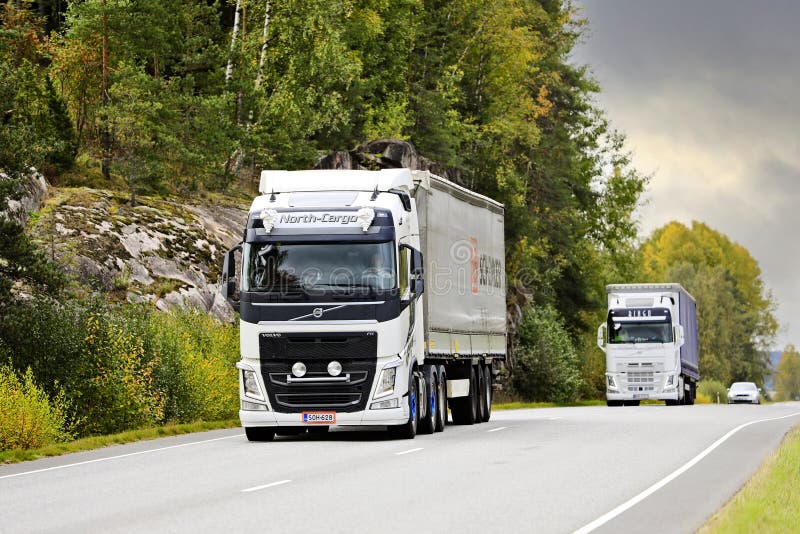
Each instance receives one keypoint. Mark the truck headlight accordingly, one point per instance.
(670, 383)
(250, 384)
(386, 382)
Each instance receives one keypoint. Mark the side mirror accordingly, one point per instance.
(417, 286)
(417, 266)
(601, 336)
(228, 288)
(679, 336)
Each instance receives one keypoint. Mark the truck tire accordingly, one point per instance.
(464, 408)
(441, 403)
(427, 423)
(480, 398)
(691, 394)
(487, 393)
(409, 429)
(259, 433)
(614, 403)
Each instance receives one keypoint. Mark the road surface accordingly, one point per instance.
(593, 469)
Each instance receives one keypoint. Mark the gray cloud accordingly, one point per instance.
(708, 95)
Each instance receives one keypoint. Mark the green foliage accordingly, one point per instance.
(713, 390)
(735, 313)
(130, 367)
(788, 375)
(28, 417)
(547, 366)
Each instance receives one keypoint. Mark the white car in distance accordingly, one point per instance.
(744, 392)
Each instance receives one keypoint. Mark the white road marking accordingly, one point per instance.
(496, 429)
(265, 486)
(554, 418)
(669, 478)
(409, 451)
(117, 457)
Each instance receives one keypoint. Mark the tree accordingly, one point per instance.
(735, 312)
(788, 375)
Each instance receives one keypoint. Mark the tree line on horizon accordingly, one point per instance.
(177, 96)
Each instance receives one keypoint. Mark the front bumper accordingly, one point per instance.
(617, 396)
(392, 416)
(743, 400)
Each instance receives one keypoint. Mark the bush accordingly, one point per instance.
(197, 356)
(28, 417)
(125, 367)
(547, 366)
(710, 389)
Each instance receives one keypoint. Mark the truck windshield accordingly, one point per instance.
(284, 267)
(639, 332)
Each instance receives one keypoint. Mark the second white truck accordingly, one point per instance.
(650, 342)
(367, 298)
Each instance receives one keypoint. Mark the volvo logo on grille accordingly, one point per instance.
(317, 313)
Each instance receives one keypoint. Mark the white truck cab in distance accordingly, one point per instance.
(650, 342)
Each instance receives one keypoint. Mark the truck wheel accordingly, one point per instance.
(464, 408)
(487, 393)
(670, 402)
(691, 393)
(441, 398)
(427, 423)
(409, 429)
(259, 433)
(480, 398)
(613, 403)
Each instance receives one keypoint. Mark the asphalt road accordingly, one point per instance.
(597, 469)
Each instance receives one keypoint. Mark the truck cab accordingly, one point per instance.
(650, 343)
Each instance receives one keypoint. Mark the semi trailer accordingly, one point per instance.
(367, 298)
(650, 342)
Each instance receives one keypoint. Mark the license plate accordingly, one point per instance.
(641, 396)
(319, 418)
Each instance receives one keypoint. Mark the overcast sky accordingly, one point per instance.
(708, 93)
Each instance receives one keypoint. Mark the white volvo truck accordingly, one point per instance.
(367, 298)
(650, 341)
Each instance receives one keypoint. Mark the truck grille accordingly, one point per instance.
(349, 392)
(641, 381)
(289, 396)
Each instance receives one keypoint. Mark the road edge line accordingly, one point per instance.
(96, 460)
(633, 501)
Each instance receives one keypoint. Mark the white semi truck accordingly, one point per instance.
(367, 298)
(650, 342)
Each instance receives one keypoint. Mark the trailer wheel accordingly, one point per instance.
(441, 399)
(409, 429)
(427, 423)
(487, 393)
(480, 398)
(259, 433)
(464, 408)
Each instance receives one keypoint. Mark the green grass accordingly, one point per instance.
(97, 442)
(770, 501)
(518, 405)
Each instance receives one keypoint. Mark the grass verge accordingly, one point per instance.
(517, 405)
(97, 442)
(770, 501)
